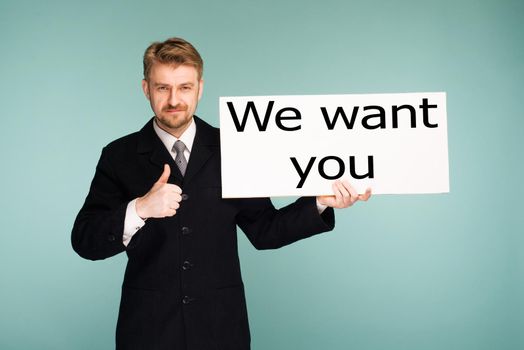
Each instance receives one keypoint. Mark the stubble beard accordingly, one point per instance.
(174, 124)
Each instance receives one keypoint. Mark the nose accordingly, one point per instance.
(173, 98)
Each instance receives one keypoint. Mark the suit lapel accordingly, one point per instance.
(150, 146)
(205, 145)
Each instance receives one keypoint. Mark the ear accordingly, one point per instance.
(200, 88)
(145, 88)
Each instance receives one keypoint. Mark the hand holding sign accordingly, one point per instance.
(344, 195)
(162, 200)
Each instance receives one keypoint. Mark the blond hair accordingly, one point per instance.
(174, 51)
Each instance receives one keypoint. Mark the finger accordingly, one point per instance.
(174, 188)
(353, 193)
(338, 195)
(344, 189)
(165, 175)
(364, 197)
(170, 212)
(172, 200)
(176, 197)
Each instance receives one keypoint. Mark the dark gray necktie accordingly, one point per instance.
(180, 159)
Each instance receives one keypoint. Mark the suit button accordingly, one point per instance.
(111, 238)
(186, 230)
(186, 265)
(185, 196)
(187, 300)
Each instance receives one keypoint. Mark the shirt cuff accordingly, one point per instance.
(132, 222)
(321, 207)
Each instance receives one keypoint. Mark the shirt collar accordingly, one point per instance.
(169, 140)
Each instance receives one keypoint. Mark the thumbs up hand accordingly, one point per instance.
(162, 200)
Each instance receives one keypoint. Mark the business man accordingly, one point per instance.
(156, 194)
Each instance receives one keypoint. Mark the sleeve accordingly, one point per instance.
(270, 228)
(99, 226)
(132, 222)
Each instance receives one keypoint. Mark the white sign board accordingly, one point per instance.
(298, 145)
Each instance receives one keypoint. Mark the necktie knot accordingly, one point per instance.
(179, 147)
(180, 159)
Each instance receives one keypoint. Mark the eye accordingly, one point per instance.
(186, 88)
(162, 88)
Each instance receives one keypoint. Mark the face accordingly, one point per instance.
(173, 94)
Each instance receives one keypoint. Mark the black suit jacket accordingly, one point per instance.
(182, 287)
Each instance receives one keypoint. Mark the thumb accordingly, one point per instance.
(165, 175)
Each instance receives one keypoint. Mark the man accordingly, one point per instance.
(156, 195)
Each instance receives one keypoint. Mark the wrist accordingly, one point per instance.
(320, 206)
(139, 208)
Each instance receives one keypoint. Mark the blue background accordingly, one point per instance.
(398, 272)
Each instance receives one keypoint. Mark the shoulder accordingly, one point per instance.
(123, 144)
(122, 147)
(207, 134)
